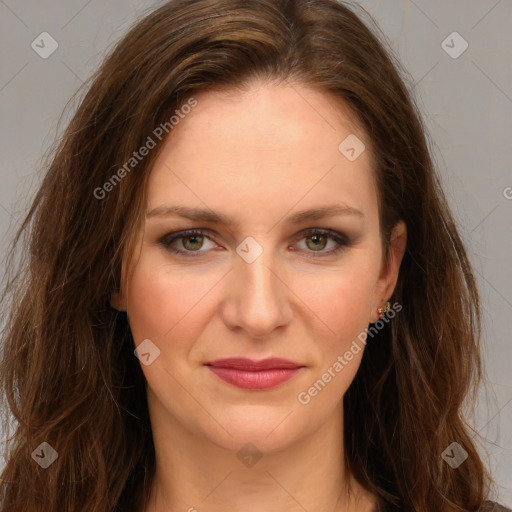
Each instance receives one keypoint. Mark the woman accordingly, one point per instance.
(244, 287)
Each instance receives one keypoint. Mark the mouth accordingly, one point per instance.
(254, 375)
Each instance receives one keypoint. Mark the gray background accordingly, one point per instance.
(466, 101)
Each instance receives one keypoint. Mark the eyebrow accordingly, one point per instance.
(206, 215)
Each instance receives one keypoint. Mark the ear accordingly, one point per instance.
(389, 274)
(118, 297)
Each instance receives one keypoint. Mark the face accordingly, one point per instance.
(267, 283)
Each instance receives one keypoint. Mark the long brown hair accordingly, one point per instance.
(68, 371)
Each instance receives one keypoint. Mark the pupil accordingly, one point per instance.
(316, 238)
(194, 239)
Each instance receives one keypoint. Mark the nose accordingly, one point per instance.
(258, 299)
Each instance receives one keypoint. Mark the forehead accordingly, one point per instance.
(271, 145)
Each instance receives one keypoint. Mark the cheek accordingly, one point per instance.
(342, 302)
(343, 306)
(341, 299)
(158, 298)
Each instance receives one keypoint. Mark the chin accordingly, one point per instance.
(268, 434)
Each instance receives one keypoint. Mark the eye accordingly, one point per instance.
(317, 239)
(192, 241)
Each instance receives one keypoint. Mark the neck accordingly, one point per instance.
(197, 473)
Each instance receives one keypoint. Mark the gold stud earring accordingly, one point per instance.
(383, 309)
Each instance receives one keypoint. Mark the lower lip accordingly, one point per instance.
(261, 379)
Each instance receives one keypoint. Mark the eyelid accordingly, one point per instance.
(339, 238)
(176, 235)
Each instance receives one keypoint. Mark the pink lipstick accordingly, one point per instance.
(255, 375)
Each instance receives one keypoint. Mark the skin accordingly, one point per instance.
(257, 157)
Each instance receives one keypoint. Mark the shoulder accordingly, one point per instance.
(491, 506)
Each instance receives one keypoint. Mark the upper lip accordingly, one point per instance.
(242, 363)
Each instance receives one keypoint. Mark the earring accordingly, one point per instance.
(383, 309)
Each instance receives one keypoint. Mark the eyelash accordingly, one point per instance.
(339, 238)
